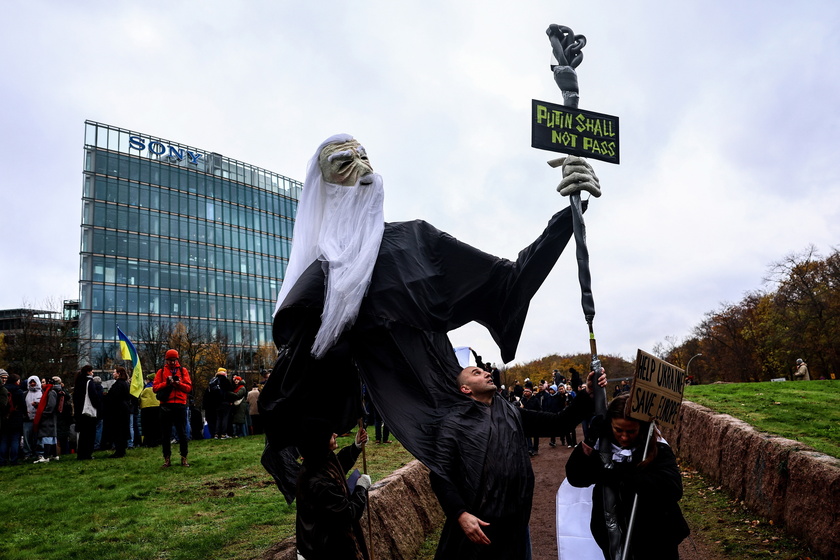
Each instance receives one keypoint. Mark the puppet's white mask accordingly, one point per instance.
(345, 164)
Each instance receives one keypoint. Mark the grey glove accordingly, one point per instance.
(364, 481)
(578, 176)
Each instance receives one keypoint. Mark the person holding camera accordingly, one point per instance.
(173, 385)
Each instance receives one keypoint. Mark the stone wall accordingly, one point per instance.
(404, 511)
(780, 479)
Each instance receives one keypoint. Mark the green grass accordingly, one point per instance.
(226, 506)
(805, 411)
(223, 507)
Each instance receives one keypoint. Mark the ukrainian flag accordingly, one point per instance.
(129, 352)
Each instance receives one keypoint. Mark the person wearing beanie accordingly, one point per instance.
(801, 373)
(328, 512)
(238, 407)
(217, 399)
(173, 385)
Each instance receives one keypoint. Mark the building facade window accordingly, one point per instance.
(173, 233)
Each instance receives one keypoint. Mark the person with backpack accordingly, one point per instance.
(12, 428)
(45, 426)
(173, 386)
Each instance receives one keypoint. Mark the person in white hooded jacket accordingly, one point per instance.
(31, 450)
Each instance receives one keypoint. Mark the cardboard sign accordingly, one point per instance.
(657, 390)
(558, 128)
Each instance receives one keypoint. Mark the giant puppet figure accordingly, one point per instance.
(365, 301)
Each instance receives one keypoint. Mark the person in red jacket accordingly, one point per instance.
(172, 385)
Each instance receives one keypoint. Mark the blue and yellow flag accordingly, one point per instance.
(129, 352)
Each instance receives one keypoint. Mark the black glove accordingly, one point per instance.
(597, 425)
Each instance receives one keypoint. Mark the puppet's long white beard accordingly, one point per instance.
(342, 227)
(348, 243)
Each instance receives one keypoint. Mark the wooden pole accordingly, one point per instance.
(365, 471)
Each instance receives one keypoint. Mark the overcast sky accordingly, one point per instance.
(730, 132)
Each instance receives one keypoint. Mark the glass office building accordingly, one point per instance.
(174, 233)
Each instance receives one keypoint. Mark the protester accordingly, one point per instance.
(150, 414)
(31, 448)
(118, 413)
(100, 419)
(488, 489)
(4, 398)
(801, 373)
(46, 424)
(172, 385)
(12, 430)
(238, 407)
(253, 410)
(659, 525)
(64, 418)
(217, 399)
(328, 512)
(87, 400)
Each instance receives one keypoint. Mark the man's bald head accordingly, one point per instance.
(477, 384)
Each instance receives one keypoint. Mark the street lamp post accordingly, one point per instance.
(689, 363)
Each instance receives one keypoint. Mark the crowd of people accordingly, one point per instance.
(43, 420)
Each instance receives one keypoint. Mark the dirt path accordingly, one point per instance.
(549, 473)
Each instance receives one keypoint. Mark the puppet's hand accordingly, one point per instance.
(364, 481)
(361, 438)
(578, 176)
(471, 525)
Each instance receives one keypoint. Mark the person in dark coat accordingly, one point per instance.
(659, 525)
(118, 413)
(328, 512)
(218, 398)
(12, 429)
(488, 489)
(86, 425)
(530, 401)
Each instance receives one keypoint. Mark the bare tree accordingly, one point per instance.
(152, 343)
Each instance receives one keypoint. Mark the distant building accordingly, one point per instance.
(39, 341)
(174, 233)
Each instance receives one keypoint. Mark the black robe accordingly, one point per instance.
(484, 453)
(425, 283)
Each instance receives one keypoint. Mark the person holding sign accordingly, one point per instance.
(659, 525)
(328, 510)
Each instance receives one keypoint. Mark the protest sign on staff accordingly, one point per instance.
(657, 390)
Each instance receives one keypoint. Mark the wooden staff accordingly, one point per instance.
(364, 470)
(567, 50)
